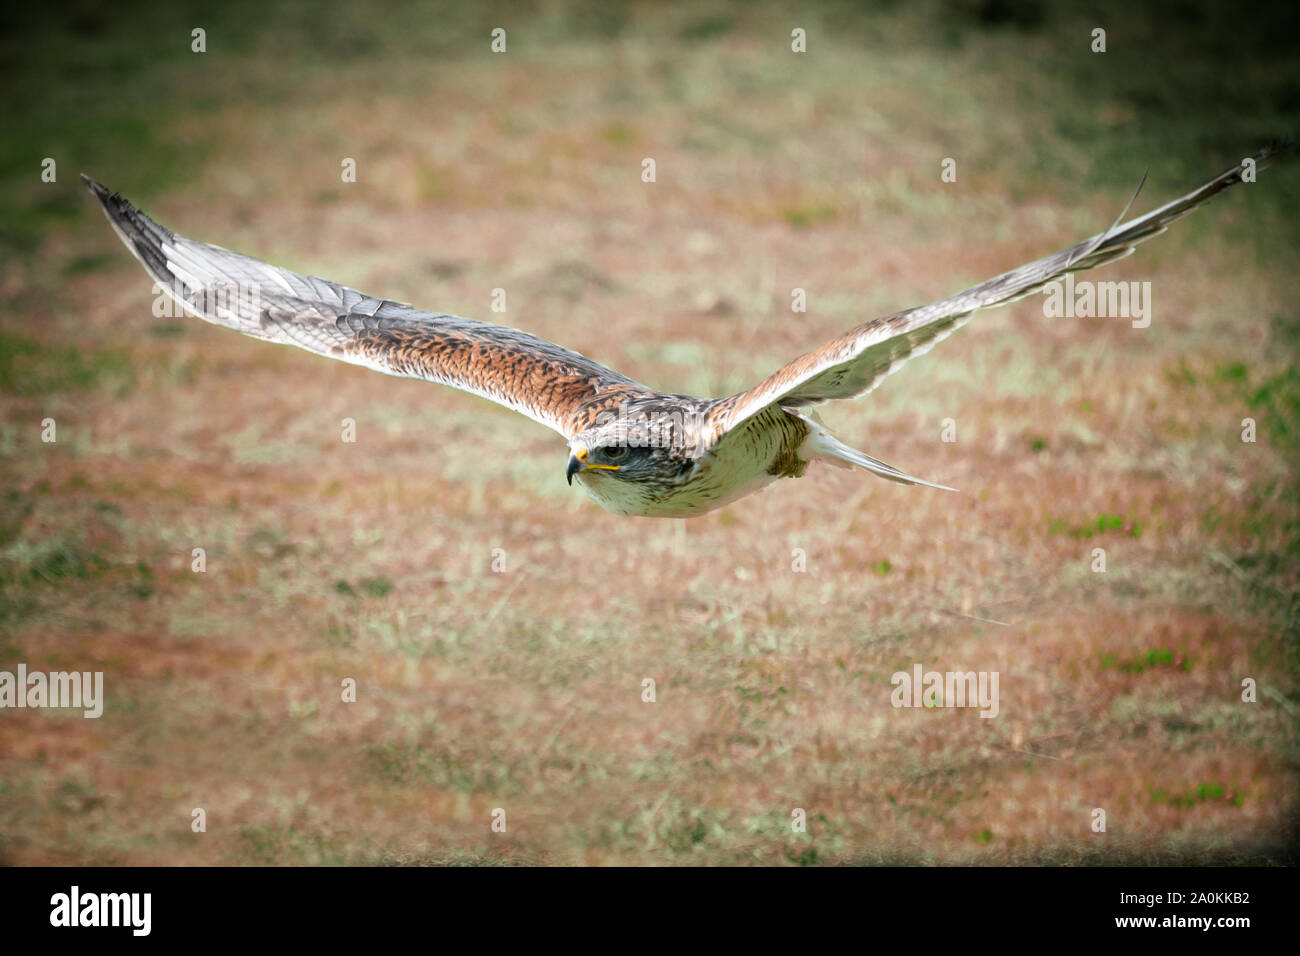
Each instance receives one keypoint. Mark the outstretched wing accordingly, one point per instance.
(856, 362)
(551, 385)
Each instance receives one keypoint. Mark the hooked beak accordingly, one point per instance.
(578, 462)
(577, 458)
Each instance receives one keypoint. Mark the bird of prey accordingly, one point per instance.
(635, 450)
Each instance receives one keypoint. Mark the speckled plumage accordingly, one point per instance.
(635, 450)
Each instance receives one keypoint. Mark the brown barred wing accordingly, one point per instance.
(552, 385)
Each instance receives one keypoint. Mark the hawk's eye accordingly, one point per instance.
(614, 452)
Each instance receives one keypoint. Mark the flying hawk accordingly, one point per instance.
(636, 451)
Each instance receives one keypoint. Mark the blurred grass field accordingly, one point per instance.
(522, 690)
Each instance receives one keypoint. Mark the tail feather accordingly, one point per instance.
(821, 445)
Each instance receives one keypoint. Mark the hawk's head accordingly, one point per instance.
(627, 466)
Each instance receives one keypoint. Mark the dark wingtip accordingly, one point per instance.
(98, 191)
(1280, 148)
(142, 235)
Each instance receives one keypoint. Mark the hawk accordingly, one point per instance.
(636, 451)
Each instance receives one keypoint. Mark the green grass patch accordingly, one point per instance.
(1102, 524)
(809, 214)
(1151, 660)
(371, 587)
(29, 367)
(1193, 796)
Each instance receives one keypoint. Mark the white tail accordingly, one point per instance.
(821, 445)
